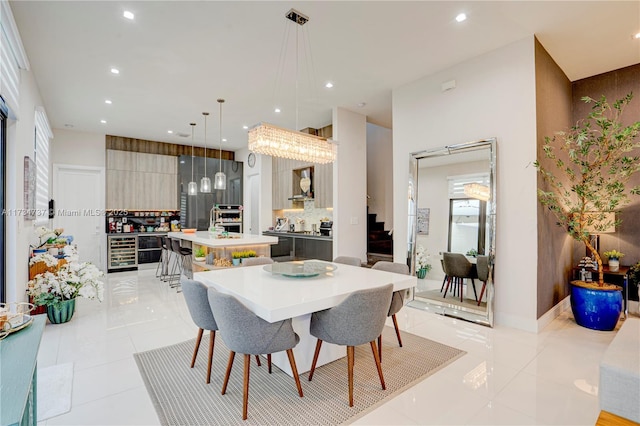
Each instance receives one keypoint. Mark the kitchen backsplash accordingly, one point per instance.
(310, 215)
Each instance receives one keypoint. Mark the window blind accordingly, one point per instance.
(12, 58)
(43, 134)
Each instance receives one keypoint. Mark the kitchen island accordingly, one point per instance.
(300, 246)
(219, 250)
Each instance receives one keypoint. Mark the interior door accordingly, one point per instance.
(79, 209)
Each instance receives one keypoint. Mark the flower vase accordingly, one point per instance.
(421, 273)
(61, 313)
(235, 262)
(614, 264)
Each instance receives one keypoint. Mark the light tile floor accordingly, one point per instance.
(507, 377)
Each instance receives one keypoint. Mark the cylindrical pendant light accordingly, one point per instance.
(193, 186)
(220, 180)
(205, 182)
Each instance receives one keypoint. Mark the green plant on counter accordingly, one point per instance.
(243, 254)
(201, 252)
(472, 252)
(613, 254)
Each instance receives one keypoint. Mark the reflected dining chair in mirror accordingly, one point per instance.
(397, 299)
(246, 333)
(458, 269)
(482, 267)
(357, 320)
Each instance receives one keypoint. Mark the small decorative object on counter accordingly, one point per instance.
(422, 262)
(472, 253)
(614, 259)
(200, 254)
(14, 317)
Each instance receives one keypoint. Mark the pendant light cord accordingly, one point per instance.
(220, 101)
(205, 142)
(297, 129)
(192, 126)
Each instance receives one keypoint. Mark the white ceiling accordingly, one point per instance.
(177, 57)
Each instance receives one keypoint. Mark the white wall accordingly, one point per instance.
(20, 232)
(262, 169)
(380, 173)
(78, 148)
(494, 97)
(350, 184)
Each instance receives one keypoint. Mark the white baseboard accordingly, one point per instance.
(553, 313)
(532, 325)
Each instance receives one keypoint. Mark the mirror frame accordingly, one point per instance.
(441, 307)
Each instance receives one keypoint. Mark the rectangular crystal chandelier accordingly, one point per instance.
(275, 141)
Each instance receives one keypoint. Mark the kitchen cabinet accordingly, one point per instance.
(323, 185)
(284, 185)
(140, 181)
(296, 246)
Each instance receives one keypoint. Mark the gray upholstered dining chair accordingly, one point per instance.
(195, 294)
(348, 260)
(458, 268)
(482, 267)
(397, 301)
(246, 333)
(359, 319)
(251, 261)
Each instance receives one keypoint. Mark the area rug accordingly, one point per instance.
(54, 390)
(181, 396)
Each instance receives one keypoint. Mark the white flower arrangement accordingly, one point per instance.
(422, 259)
(68, 281)
(49, 260)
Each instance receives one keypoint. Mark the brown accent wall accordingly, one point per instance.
(121, 143)
(553, 113)
(615, 85)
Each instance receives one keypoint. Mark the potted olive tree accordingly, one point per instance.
(586, 176)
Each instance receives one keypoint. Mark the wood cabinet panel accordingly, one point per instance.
(155, 191)
(323, 185)
(120, 189)
(121, 160)
(155, 163)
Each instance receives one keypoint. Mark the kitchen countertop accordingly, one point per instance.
(204, 238)
(298, 235)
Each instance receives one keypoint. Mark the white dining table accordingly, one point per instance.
(274, 297)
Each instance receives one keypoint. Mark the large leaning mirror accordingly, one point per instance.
(452, 218)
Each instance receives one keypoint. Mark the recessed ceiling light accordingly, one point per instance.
(103, 121)
(224, 140)
(277, 110)
(361, 105)
(115, 71)
(128, 15)
(461, 17)
(108, 102)
(68, 126)
(328, 85)
(245, 127)
(637, 35)
(170, 132)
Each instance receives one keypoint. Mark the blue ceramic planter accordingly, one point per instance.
(596, 309)
(62, 314)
